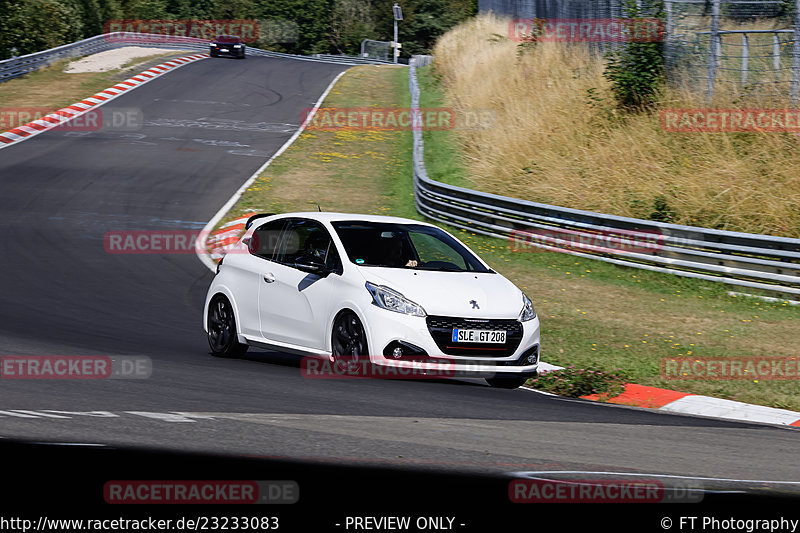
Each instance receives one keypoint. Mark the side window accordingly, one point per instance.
(265, 239)
(307, 238)
(332, 260)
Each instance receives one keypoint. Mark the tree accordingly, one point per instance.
(143, 9)
(297, 26)
(311, 16)
(351, 23)
(424, 21)
(33, 25)
(636, 69)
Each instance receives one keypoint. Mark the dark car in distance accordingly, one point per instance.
(227, 45)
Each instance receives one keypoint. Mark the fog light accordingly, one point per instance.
(530, 356)
(403, 350)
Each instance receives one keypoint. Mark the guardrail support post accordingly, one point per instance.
(776, 53)
(745, 57)
(796, 53)
(713, 52)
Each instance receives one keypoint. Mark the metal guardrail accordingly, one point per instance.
(19, 66)
(742, 259)
(422, 60)
(349, 59)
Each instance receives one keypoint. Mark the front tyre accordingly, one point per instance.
(348, 338)
(221, 324)
(510, 382)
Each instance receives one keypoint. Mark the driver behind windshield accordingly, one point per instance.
(317, 245)
(394, 252)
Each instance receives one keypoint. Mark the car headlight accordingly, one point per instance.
(528, 312)
(386, 298)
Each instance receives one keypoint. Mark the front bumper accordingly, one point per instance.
(387, 329)
(231, 52)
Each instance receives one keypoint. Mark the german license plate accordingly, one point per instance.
(479, 335)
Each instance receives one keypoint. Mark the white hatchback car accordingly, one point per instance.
(399, 292)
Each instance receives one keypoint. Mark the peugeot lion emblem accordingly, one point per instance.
(474, 304)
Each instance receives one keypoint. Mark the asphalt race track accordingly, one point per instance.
(207, 127)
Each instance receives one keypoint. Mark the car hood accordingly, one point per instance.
(451, 293)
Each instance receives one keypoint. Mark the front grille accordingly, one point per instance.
(441, 329)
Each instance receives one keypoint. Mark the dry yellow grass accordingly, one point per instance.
(553, 142)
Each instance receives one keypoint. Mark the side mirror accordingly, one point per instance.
(311, 265)
(252, 244)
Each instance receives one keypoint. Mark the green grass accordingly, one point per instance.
(346, 170)
(443, 160)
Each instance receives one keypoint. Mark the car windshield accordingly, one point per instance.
(232, 39)
(413, 246)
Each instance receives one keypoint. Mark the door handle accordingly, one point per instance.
(269, 277)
